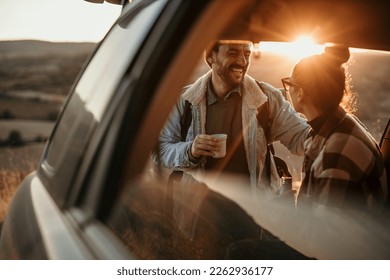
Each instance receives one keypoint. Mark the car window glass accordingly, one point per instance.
(93, 93)
(101, 77)
(104, 72)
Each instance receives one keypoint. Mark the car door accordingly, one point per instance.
(45, 227)
(117, 194)
(150, 89)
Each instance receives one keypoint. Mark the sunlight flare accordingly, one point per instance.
(301, 47)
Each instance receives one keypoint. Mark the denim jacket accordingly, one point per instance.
(287, 127)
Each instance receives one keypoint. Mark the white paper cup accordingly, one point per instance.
(221, 145)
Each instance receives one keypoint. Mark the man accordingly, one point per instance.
(226, 100)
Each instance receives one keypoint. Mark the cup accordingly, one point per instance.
(221, 145)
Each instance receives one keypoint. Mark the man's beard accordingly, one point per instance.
(234, 76)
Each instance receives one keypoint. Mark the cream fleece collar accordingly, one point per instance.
(252, 94)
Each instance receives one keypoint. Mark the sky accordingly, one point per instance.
(56, 20)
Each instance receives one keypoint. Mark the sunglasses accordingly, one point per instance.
(287, 84)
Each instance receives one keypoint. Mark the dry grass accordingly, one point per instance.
(15, 164)
(9, 181)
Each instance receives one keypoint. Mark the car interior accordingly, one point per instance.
(207, 221)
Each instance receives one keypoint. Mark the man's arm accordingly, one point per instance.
(174, 150)
(288, 126)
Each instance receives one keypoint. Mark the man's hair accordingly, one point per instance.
(213, 48)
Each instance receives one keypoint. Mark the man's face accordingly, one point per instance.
(231, 63)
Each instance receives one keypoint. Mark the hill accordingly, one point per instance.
(36, 72)
(35, 78)
(41, 66)
(27, 48)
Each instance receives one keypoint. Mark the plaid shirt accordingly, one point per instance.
(343, 166)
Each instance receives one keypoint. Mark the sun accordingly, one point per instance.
(302, 46)
(305, 45)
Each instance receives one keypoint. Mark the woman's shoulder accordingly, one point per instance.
(352, 140)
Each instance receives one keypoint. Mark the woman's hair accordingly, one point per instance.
(324, 79)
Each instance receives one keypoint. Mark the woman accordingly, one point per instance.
(343, 166)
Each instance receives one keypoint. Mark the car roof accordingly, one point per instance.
(353, 23)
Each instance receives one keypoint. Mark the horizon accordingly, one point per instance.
(46, 41)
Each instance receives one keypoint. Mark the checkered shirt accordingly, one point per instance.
(343, 166)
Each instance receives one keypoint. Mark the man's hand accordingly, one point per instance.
(204, 145)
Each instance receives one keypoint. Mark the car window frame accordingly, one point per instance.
(111, 151)
(49, 173)
(130, 148)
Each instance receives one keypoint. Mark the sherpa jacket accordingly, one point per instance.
(288, 128)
